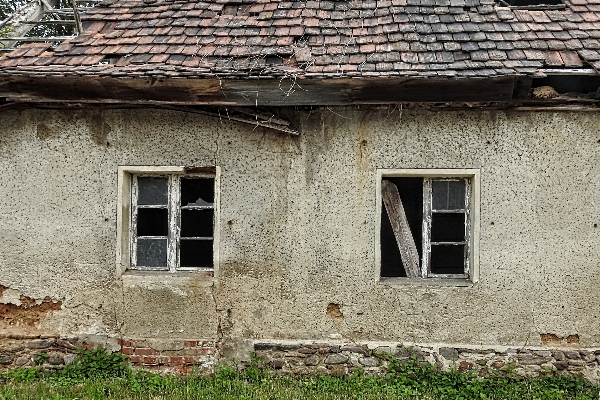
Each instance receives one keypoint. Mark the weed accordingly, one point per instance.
(40, 358)
(94, 364)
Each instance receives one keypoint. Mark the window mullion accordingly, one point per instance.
(467, 207)
(133, 215)
(427, 206)
(174, 215)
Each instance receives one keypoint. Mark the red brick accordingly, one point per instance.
(135, 359)
(190, 343)
(203, 350)
(127, 350)
(150, 360)
(145, 352)
(189, 360)
(176, 360)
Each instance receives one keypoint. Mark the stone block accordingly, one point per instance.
(65, 344)
(573, 355)
(339, 370)
(55, 359)
(305, 350)
(21, 361)
(41, 343)
(277, 363)
(449, 353)
(311, 361)
(5, 359)
(354, 349)
(561, 365)
(543, 353)
(336, 359)
(368, 362)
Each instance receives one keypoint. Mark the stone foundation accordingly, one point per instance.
(338, 359)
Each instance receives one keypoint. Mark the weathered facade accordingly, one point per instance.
(298, 217)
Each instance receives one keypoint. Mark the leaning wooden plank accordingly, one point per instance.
(404, 238)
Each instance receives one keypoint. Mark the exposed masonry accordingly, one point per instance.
(23, 312)
(301, 358)
(339, 360)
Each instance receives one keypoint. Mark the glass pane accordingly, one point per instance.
(152, 191)
(197, 223)
(448, 227)
(197, 191)
(153, 222)
(448, 259)
(448, 194)
(152, 253)
(196, 253)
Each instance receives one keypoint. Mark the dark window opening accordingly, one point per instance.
(447, 259)
(411, 193)
(424, 227)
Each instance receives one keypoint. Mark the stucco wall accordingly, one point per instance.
(297, 226)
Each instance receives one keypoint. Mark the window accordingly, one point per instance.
(170, 225)
(428, 222)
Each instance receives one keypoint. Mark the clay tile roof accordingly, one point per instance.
(326, 39)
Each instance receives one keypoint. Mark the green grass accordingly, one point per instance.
(96, 376)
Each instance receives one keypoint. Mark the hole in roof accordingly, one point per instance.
(230, 10)
(274, 60)
(532, 4)
(581, 84)
(111, 59)
(300, 41)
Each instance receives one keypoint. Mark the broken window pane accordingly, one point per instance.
(152, 253)
(411, 193)
(197, 223)
(448, 227)
(152, 191)
(447, 259)
(197, 192)
(196, 253)
(448, 194)
(153, 222)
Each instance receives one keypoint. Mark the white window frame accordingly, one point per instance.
(126, 208)
(472, 225)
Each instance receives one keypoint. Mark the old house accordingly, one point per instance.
(191, 181)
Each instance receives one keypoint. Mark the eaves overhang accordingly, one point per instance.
(260, 92)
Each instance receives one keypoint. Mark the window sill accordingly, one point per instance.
(160, 278)
(439, 282)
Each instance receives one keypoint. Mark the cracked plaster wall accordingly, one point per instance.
(298, 226)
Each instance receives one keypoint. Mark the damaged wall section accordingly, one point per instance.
(23, 314)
